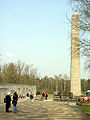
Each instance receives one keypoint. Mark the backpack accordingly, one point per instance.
(5, 100)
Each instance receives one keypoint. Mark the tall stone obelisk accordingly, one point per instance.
(75, 57)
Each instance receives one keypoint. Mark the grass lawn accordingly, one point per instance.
(86, 108)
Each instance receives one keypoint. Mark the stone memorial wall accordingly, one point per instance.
(19, 88)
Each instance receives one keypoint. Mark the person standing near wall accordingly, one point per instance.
(7, 100)
(46, 96)
(14, 102)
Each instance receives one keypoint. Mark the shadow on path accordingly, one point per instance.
(43, 110)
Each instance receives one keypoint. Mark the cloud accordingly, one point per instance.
(9, 54)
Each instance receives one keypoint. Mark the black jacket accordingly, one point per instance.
(15, 98)
(8, 100)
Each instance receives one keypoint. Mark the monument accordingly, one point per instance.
(75, 57)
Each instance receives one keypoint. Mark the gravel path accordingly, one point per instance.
(43, 110)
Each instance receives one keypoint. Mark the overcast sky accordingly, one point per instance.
(36, 32)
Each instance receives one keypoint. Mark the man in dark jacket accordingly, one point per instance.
(8, 101)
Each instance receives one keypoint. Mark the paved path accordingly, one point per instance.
(43, 110)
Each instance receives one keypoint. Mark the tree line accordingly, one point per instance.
(22, 73)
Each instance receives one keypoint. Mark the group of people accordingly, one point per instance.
(45, 95)
(84, 99)
(8, 100)
(70, 95)
(30, 95)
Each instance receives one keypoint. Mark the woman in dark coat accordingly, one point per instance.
(8, 101)
(15, 98)
(46, 96)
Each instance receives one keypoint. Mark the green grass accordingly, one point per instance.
(52, 93)
(84, 94)
(85, 108)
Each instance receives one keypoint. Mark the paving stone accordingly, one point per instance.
(43, 110)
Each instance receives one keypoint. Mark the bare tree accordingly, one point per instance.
(9, 73)
(82, 7)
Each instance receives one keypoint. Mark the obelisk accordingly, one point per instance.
(75, 57)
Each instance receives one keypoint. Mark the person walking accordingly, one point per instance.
(7, 100)
(43, 94)
(46, 96)
(14, 102)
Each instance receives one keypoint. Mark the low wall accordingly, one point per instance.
(19, 88)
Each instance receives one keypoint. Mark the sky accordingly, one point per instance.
(36, 32)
